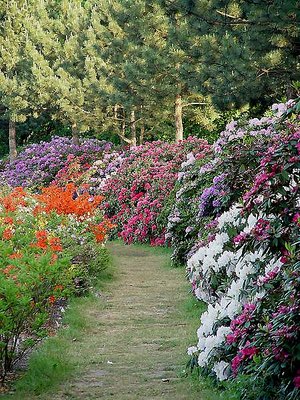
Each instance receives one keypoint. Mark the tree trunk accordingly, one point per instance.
(132, 128)
(178, 119)
(75, 135)
(142, 129)
(123, 128)
(12, 141)
(142, 133)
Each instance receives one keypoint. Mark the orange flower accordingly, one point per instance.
(55, 244)
(8, 220)
(8, 269)
(7, 234)
(14, 199)
(42, 241)
(54, 257)
(52, 299)
(58, 287)
(101, 230)
(41, 234)
(14, 256)
(66, 200)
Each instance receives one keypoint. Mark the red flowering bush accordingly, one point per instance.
(47, 243)
(137, 193)
(271, 327)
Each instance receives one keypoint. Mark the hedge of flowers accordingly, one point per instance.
(38, 164)
(208, 187)
(136, 194)
(230, 211)
(244, 262)
(48, 243)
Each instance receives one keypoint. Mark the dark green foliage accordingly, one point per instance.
(248, 51)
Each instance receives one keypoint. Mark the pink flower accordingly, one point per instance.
(296, 218)
(243, 354)
(296, 380)
(240, 238)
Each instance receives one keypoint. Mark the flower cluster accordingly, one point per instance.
(136, 194)
(248, 274)
(40, 236)
(38, 164)
(206, 188)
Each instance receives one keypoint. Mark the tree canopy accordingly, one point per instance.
(140, 69)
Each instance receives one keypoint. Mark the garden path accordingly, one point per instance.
(136, 338)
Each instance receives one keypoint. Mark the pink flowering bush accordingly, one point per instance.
(136, 194)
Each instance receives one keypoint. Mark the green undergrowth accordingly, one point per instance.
(56, 358)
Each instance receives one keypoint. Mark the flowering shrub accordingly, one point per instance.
(205, 190)
(38, 164)
(39, 260)
(135, 196)
(248, 273)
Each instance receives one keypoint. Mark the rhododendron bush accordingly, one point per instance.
(37, 263)
(246, 268)
(38, 164)
(137, 193)
(206, 188)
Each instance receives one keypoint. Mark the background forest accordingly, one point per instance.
(130, 71)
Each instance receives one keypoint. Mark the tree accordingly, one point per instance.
(247, 51)
(14, 69)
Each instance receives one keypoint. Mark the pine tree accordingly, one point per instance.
(247, 51)
(14, 69)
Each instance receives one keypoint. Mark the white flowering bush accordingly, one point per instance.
(248, 274)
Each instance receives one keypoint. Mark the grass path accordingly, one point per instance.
(135, 335)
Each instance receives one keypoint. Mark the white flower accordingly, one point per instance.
(221, 369)
(190, 160)
(225, 258)
(209, 262)
(229, 216)
(202, 359)
(192, 350)
(223, 331)
(233, 308)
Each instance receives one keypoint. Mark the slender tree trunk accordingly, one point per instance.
(116, 108)
(132, 128)
(142, 129)
(75, 135)
(123, 127)
(178, 119)
(142, 133)
(12, 140)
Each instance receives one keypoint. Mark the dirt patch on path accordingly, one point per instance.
(136, 336)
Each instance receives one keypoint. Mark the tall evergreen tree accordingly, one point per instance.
(15, 76)
(247, 51)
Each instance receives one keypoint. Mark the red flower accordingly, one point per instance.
(52, 299)
(7, 234)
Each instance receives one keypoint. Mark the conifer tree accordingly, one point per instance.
(14, 69)
(247, 51)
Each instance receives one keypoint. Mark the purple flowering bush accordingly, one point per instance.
(38, 164)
